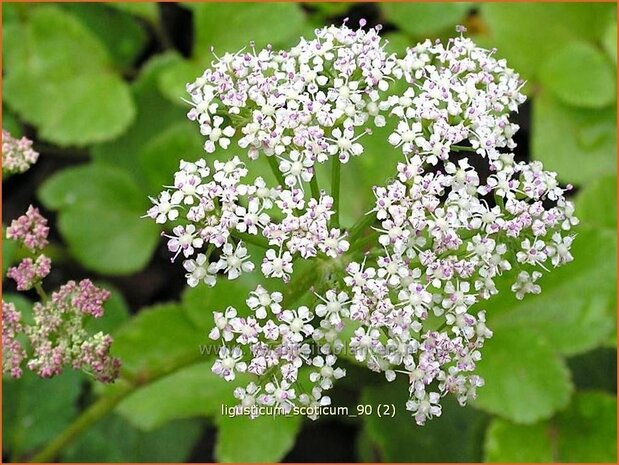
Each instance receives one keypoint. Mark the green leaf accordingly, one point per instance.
(10, 123)
(115, 440)
(579, 144)
(59, 78)
(48, 40)
(526, 380)
(597, 369)
(528, 34)
(100, 218)
(228, 27)
(107, 238)
(193, 391)
(422, 19)
(585, 432)
(146, 10)
(579, 74)
(173, 80)
(573, 311)
(123, 36)
(366, 452)
(609, 41)
(397, 42)
(160, 157)
(596, 205)
(36, 410)
(154, 115)
(505, 442)
(75, 110)
(90, 184)
(400, 439)
(329, 9)
(264, 439)
(156, 337)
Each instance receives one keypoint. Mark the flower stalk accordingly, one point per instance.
(335, 191)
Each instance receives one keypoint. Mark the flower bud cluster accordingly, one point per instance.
(57, 336)
(17, 154)
(13, 352)
(459, 212)
(29, 229)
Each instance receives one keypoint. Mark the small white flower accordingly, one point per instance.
(234, 261)
(424, 407)
(277, 266)
(163, 209)
(334, 306)
(326, 373)
(216, 134)
(199, 270)
(532, 252)
(526, 284)
(251, 218)
(297, 169)
(185, 240)
(261, 300)
(405, 135)
(344, 144)
(223, 326)
(295, 323)
(229, 362)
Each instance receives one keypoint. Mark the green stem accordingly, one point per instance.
(335, 191)
(461, 148)
(298, 287)
(314, 186)
(41, 292)
(91, 415)
(359, 244)
(360, 226)
(251, 239)
(278, 174)
(106, 403)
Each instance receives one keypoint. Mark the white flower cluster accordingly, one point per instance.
(301, 106)
(218, 211)
(273, 344)
(459, 212)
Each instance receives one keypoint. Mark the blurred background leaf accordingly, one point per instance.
(115, 440)
(265, 439)
(60, 78)
(397, 439)
(36, 410)
(100, 209)
(421, 19)
(525, 379)
(585, 432)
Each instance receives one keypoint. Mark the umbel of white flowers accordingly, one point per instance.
(407, 280)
